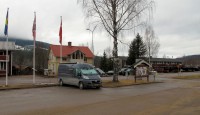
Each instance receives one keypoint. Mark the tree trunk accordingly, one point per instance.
(115, 49)
(149, 54)
(115, 59)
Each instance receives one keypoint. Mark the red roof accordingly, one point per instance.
(67, 50)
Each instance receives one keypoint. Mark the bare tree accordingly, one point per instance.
(115, 16)
(152, 42)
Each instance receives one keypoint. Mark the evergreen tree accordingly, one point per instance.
(110, 63)
(137, 50)
(104, 64)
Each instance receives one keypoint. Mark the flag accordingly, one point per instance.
(60, 32)
(34, 27)
(6, 24)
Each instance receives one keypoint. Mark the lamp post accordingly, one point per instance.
(92, 37)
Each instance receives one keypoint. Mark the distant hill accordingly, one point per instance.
(191, 60)
(23, 42)
(190, 57)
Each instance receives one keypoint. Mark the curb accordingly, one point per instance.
(27, 86)
(132, 84)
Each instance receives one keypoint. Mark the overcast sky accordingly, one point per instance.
(176, 23)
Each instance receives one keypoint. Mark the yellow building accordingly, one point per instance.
(70, 54)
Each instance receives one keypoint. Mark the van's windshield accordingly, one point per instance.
(89, 72)
(85, 69)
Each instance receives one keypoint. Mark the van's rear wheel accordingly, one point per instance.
(60, 82)
(81, 86)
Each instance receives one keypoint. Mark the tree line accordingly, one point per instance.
(140, 48)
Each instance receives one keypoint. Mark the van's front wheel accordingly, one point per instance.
(81, 86)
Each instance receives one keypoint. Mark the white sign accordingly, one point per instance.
(141, 71)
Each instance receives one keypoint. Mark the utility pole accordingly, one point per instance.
(92, 37)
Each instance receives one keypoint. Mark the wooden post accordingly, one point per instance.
(135, 74)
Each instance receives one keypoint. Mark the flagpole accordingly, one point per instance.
(34, 37)
(6, 59)
(34, 63)
(61, 53)
(60, 40)
(6, 34)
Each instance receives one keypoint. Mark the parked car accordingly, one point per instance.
(81, 75)
(122, 71)
(100, 72)
(111, 72)
(129, 71)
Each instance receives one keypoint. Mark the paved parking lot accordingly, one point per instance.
(174, 96)
(28, 79)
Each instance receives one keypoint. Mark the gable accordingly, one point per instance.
(141, 62)
(67, 50)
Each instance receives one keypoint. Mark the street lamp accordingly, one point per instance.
(92, 37)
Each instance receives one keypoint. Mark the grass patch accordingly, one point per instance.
(188, 77)
(124, 82)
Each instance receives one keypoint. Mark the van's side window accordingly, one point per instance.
(76, 72)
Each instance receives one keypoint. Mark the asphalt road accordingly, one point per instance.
(171, 97)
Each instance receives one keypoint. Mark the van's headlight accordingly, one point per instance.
(99, 76)
(85, 77)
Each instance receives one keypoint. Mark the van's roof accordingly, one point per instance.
(69, 63)
(78, 65)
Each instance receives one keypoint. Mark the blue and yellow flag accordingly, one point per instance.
(6, 24)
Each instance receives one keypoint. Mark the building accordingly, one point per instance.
(165, 64)
(70, 54)
(158, 64)
(122, 61)
(11, 48)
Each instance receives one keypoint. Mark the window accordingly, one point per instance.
(3, 66)
(85, 59)
(64, 59)
(77, 55)
(73, 56)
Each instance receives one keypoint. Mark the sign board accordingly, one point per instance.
(141, 71)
